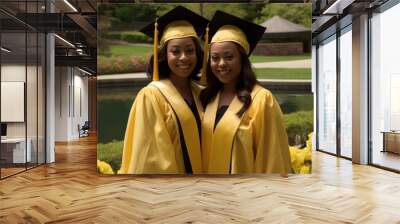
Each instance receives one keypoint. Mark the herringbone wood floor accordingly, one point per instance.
(70, 191)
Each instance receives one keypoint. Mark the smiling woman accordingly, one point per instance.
(226, 61)
(242, 127)
(181, 56)
(163, 130)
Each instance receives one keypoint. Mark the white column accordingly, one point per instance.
(360, 90)
(50, 93)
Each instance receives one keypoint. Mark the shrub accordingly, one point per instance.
(111, 153)
(289, 107)
(120, 64)
(298, 125)
(113, 35)
(133, 37)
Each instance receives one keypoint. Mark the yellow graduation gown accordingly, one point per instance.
(152, 141)
(254, 143)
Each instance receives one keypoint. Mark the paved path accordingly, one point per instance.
(285, 64)
(139, 75)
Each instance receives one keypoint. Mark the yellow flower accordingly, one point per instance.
(301, 158)
(297, 158)
(104, 168)
(305, 169)
(309, 148)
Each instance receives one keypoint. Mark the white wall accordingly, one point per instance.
(32, 126)
(71, 102)
(62, 81)
(14, 73)
(81, 101)
(12, 101)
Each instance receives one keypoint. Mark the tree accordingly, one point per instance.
(135, 12)
(299, 13)
(240, 10)
(103, 27)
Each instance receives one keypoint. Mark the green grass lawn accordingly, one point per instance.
(131, 50)
(261, 58)
(283, 73)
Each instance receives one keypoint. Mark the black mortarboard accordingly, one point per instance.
(198, 22)
(229, 32)
(180, 22)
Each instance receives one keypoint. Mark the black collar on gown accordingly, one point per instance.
(220, 113)
(186, 159)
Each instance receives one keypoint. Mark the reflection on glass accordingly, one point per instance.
(31, 100)
(385, 88)
(13, 86)
(346, 93)
(22, 89)
(327, 95)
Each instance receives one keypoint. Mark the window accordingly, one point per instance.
(327, 95)
(385, 88)
(346, 75)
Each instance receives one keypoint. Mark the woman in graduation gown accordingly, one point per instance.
(163, 129)
(242, 128)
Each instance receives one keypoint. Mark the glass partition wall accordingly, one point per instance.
(22, 87)
(334, 94)
(346, 74)
(385, 89)
(327, 95)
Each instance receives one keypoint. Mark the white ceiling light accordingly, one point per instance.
(337, 7)
(86, 72)
(70, 5)
(5, 50)
(80, 51)
(65, 41)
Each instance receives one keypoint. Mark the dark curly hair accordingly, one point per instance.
(246, 81)
(163, 68)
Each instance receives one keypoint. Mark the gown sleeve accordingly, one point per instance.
(149, 147)
(270, 139)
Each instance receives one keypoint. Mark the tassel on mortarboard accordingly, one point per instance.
(203, 78)
(155, 52)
